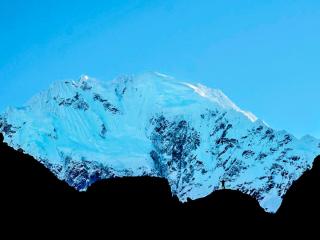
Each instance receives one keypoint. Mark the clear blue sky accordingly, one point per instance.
(265, 55)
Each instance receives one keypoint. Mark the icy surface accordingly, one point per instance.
(152, 124)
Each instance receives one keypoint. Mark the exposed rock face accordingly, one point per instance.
(154, 125)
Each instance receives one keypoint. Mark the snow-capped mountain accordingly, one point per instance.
(155, 125)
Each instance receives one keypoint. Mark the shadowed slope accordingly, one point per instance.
(22, 174)
(301, 204)
(226, 205)
(27, 186)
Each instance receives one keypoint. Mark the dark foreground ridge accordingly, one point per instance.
(28, 187)
(301, 204)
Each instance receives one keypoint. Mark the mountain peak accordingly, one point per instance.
(154, 125)
(84, 78)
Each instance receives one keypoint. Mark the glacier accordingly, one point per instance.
(155, 125)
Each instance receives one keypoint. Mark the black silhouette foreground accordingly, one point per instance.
(28, 188)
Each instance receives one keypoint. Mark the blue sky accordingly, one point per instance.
(265, 55)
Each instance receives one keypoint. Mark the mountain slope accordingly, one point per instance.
(301, 203)
(28, 189)
(22, 175)
(154, 125)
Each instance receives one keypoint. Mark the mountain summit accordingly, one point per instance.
(154, 125)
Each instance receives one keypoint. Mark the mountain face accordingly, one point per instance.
(153, 125)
